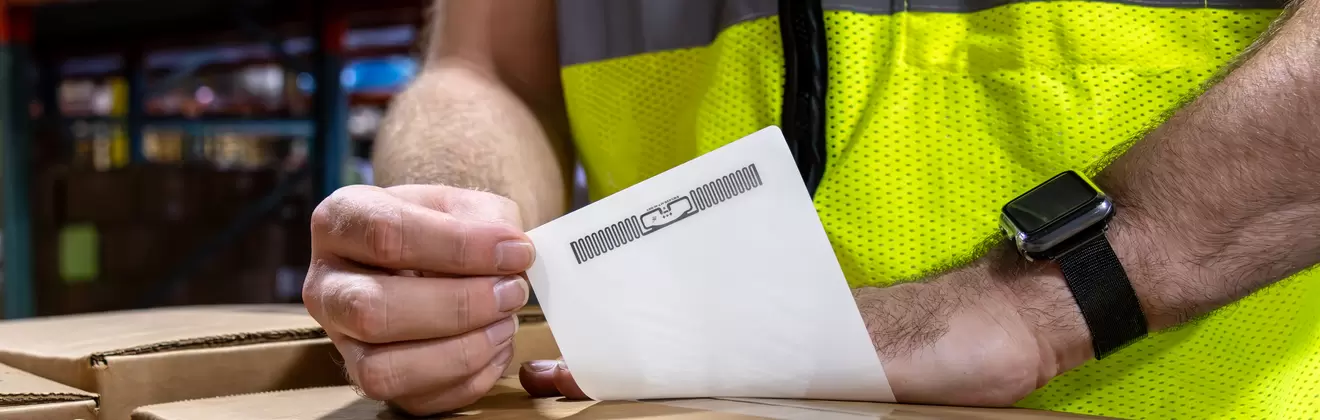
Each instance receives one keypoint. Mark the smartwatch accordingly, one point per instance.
(1064, 221)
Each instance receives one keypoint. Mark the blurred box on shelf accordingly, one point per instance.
(45, 253)
(298, 247)
(48, 195)
(55, 294)
(230, 192)
(264, 246)
(257, 285)
(117, 266)
(137, 259)
(297, 232)
(235, 285)
(79, 252)
(24, 396)
(136, 358)
(168, 193)
(216, 278)
(192, 238)
(137, 254)
(80, 298)
(101, 197)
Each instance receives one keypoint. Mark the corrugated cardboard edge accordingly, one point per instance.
(68, 410)
(11, 400)
(220, 341)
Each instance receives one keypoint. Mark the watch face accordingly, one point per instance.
(1054, 200)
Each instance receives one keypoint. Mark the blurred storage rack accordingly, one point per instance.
(162, 152)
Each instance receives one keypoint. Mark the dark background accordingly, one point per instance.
(169, 152)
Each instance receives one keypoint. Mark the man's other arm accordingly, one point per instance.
(487, 111)
(417, 286)
(1221, 200)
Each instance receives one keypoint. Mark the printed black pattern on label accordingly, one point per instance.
(665, 214)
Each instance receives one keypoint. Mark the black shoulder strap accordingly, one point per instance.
(806, 71)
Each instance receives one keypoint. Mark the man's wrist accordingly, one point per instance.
(1156, 253)
(1010, 324)
(1037, 292)
(1041, 295)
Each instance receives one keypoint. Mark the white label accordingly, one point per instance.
(712, 279)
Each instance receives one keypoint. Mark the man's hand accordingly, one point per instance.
(417, 286)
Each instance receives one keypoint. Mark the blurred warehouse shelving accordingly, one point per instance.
(165, 152)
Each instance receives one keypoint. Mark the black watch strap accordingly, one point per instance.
(1103, 293)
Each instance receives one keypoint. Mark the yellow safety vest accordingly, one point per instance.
(938, 112)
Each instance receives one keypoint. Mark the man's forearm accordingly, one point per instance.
(1221, 200)
(455, 126)
(1224, 198)
(487, 110)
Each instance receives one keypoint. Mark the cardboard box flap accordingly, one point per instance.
(21, 388)
(102, 335)
(227, 340)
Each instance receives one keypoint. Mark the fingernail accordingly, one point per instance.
(501, 332)
(504, 356)
(513, 256)
(510, 293)
(540, 365)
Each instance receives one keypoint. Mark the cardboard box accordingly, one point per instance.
(508, 401)
(28, 397)
(136, 358)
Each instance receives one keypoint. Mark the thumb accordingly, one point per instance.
(548, 378)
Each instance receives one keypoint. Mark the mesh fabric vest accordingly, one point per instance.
(940, 111)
